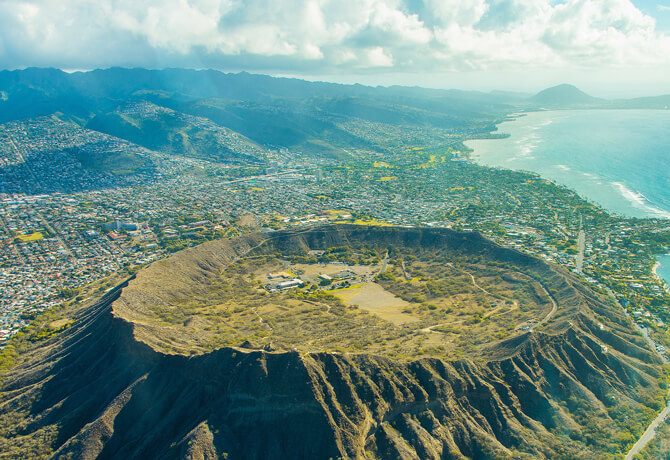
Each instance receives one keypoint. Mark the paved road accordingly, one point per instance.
(264, 176)
(554, 308)
(581, 244)
(54, 232)
(652, 344)
(650, 433)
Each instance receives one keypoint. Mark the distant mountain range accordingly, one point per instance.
(305, 116)
(281, 112)
(39, 91)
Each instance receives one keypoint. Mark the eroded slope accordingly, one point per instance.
(580, 389)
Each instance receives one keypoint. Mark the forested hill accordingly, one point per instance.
(190, 112)
(36, 91)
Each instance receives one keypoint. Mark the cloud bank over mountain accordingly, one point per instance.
(331, 36)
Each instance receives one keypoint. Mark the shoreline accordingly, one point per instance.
(654, 270)
(634, 204)
(665, 283)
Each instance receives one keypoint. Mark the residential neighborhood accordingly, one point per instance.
(63, 226)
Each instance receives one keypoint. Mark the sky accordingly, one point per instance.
(606, 47)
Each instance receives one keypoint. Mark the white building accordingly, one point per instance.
(289, 284)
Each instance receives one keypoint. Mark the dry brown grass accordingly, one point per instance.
(378, 301)
(212, 296)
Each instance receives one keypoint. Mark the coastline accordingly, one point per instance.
(610, 193)
(654, 270)
(665, 283)
(610, 189)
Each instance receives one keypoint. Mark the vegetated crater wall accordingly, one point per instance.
(96, 392)
(187, 274)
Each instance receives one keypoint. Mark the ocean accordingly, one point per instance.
(619, 159)
(663, 269)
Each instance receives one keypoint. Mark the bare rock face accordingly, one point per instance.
(100, 392)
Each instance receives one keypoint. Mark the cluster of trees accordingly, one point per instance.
(432, 287)
(656, 242)
(448, 287)
(316, 295)
(42, 326)
(568, 246)
(68, 293)
(345, 254)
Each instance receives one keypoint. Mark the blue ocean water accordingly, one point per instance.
(664, 269)
(619, 159)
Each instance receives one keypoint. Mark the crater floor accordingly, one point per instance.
(397, 292)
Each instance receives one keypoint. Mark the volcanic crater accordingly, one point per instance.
(338, 342)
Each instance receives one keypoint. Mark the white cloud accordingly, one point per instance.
(377, 57)
(464, 13)
(330, 36)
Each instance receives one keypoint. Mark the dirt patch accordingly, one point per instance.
(59, 323)
(248, 220)
(375, 299)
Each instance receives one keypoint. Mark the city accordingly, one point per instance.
(65, 226)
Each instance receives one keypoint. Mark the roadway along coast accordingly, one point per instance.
(650, 432)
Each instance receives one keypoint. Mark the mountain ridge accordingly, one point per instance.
(42, 91)
(112, 395)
